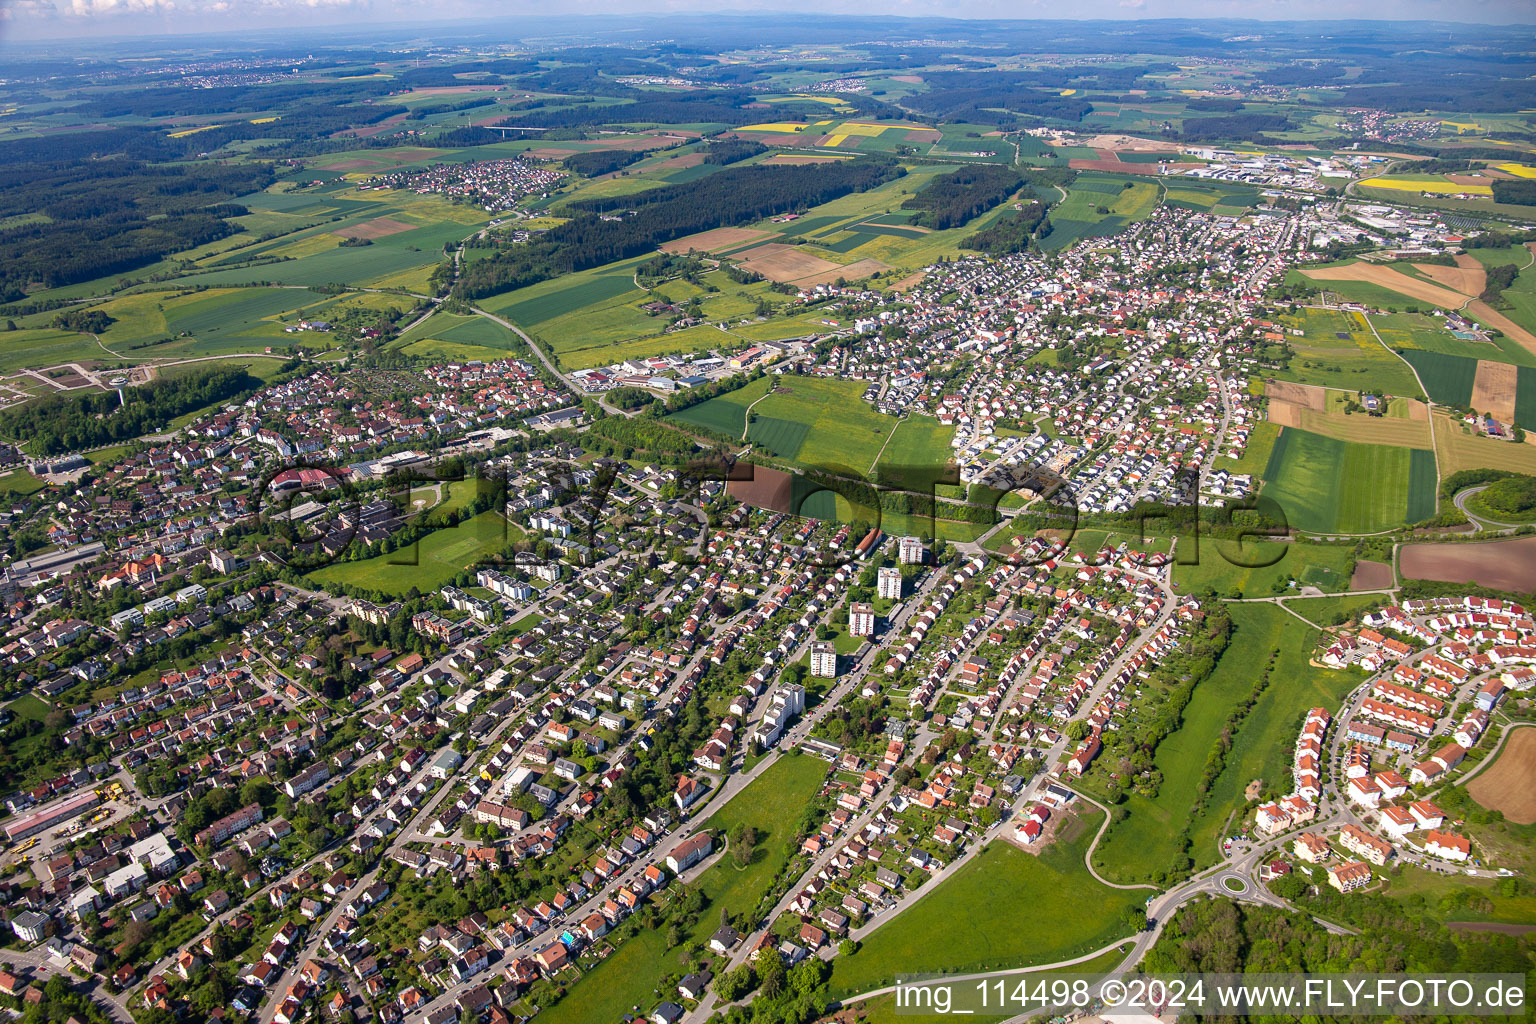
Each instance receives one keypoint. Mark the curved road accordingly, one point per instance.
(1479, 524)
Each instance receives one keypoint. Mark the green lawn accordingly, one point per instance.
(628, 979)
(436, 559)
(1261, 441)
(1004, 908)
(815, 421)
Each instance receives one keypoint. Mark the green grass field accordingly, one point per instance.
(1138, 847)
(1265, 742)
(1079, 216)
(1447, 378)
(920, 443)
(1407, 331)
(814, 421)
(628, 978)
(725, 414)
(34, 348)
(1328, 486)
(979, 918)
(844, 431)
(436, 559)
(783, 438)
(1319, 565)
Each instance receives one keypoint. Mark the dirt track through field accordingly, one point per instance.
(1509, 784)
(1394, 280)
(1493, 390)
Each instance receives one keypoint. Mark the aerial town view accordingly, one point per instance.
(698, 516)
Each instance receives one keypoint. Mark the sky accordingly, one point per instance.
(34, 19)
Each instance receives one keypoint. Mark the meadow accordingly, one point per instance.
(980, 918)
(727, 413)
(434, 560)
(1338, 350)
(920, 443)
(1263, 745)
(1324, 485)
(1259, 567)
(843, 432)
(1459, 447)
(1078, 216)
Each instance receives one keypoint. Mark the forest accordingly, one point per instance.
(735, 195)
(1013, 232)
(594, 162)
(954, 198)
(68, 423)
(1234, 126)
(1520, 192)
(109, 216)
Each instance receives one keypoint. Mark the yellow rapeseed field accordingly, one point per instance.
(780, 127)
(1446, 187)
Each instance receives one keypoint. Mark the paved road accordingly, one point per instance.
(45, 966)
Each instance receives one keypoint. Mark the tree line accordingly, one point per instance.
(65, 423)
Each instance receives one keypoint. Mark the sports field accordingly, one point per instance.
(436, 559)
(1324, 485)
